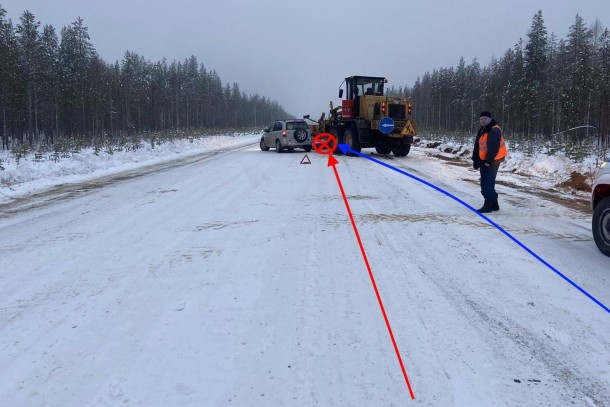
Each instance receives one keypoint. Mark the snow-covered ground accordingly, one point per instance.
(30, 175)
(224, 275)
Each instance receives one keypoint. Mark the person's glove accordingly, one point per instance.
(487, 163)
(476, 165)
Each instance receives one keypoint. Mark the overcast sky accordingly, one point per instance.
(298, 52)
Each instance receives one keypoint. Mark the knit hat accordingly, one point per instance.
(485, 114)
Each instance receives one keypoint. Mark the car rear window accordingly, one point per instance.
(296, 125)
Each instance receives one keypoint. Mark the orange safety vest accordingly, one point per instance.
(502, 152)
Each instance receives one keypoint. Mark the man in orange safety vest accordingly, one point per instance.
(489, 151)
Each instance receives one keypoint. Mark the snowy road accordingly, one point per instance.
(234, 278)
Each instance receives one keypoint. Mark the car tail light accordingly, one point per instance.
(284, 133)
(409, 107)
(383, 108)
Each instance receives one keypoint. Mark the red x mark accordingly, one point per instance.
(324, 143)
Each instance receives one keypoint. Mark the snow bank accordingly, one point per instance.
(30, 175)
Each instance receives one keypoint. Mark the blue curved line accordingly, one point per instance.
(524, 247)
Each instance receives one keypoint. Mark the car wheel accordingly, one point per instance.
(307, 149)
(278, 146)
(601, 226)
(263, 145)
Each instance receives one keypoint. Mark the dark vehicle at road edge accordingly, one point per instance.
(600, 204)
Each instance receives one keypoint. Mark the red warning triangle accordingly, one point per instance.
(305, 160)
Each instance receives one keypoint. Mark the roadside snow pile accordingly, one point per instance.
(547, 170)
(555, 168)
(36, 173)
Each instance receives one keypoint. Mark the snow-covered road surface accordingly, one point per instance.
(235, 278)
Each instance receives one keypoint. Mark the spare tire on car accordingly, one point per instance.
(300, 135)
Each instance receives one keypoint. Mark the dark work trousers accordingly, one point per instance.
(488, 181)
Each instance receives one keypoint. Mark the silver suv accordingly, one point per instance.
(287, 134)
(600, 204)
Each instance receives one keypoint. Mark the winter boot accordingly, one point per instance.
(494, 205)
(487, 207)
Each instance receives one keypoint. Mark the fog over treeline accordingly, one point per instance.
(542, 86)
(55, 86)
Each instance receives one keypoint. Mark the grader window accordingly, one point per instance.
(370, 87)
(358, 86)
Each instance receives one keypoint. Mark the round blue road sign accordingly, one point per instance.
(386, 125)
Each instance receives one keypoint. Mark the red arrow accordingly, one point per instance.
(332, 162)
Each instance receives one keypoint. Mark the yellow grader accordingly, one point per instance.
(367, 118)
